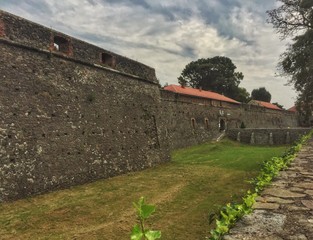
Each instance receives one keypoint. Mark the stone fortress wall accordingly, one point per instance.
(192, 120)
(68, 117)
(71, 112)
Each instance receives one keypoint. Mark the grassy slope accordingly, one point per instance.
(195, 183)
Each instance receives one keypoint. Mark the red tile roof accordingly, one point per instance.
(293, 109)
(198, 93)
(265, 104)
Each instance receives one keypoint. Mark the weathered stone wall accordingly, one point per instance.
(191, 120)
(37, 36)
(71, 112)
(267, 136)
(65, 121)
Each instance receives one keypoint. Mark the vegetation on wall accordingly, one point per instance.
(278, 105)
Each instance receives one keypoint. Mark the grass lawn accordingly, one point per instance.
(194, 184)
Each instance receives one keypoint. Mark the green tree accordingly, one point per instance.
(261, 94)
(291, 18)
(215, 74)
(297, 62)
(242, 95)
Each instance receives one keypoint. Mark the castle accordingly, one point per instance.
(71, 112)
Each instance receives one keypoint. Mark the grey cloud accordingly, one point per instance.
(104, 41)
(162, 41)
(141, 3)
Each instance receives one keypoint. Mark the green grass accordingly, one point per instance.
(197, 182)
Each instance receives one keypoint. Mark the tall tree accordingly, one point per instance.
(297, 62)
(292, 16)
(242, 95)
(215, 74)
(261, 94)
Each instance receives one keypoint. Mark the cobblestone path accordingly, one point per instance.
(285, 209)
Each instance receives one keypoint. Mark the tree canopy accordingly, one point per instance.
(297, 62)
(242, 95)
(215, 74)
(291, 18)
(261, 94)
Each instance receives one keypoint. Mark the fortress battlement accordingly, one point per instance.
(72, 113)
(27, 33)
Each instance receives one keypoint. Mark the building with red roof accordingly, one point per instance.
(264, 104)
(199, 93)
(303, 119)
(292, 109)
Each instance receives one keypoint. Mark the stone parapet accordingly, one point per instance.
(267, 136)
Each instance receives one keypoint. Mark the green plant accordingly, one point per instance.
(139, 231)
(232, 212)
(242, 125)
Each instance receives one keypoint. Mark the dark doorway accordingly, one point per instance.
(222, 125)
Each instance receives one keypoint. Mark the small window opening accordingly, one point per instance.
(107, 59)
(193, 123)
(206, 122)
(61, 44)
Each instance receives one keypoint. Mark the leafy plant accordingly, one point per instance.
(233, 212)
(139, 231)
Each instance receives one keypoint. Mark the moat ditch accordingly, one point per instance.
(197, 182)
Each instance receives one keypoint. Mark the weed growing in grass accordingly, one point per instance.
(232, 212)
(144, 211)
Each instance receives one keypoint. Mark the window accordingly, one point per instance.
(107, 59)
(193, 123)
(206, 123)
(61, 44)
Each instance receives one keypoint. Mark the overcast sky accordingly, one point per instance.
(167, 35)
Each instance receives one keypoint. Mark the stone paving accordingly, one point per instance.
(284, 211)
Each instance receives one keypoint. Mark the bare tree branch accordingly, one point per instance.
(292, 16)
